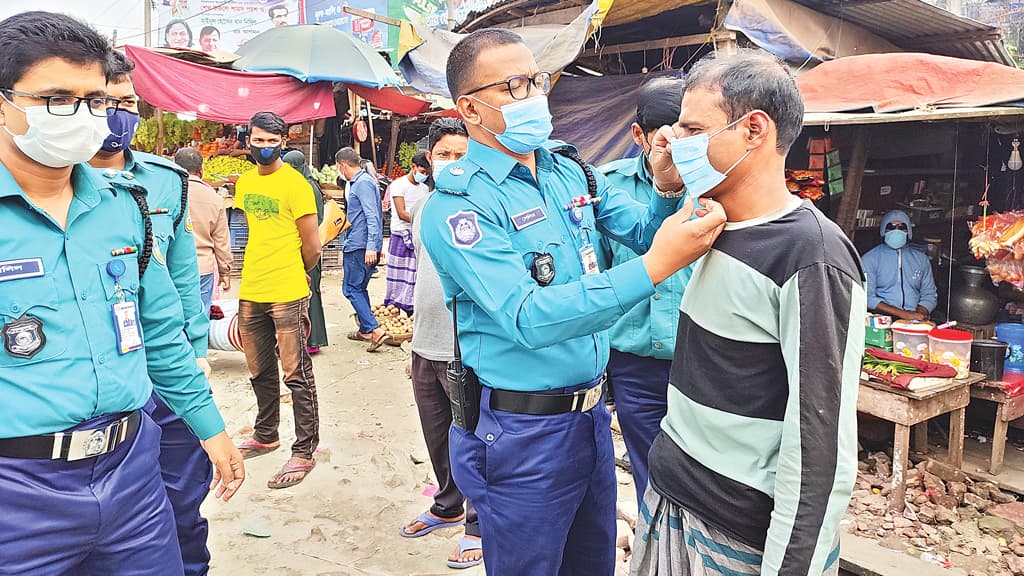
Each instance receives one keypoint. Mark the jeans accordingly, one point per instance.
(357, 278)
(206, 291)
(430, 388)
(284, 325)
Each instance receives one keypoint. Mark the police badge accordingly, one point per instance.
(24, 337)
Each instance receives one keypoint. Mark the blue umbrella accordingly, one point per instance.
(314, 53)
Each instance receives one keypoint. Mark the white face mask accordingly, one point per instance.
(60, 141)
(440, 165)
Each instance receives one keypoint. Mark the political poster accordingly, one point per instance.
(208, 25)
(332, 13)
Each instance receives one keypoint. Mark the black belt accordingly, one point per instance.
(546, 404)
(74, 445)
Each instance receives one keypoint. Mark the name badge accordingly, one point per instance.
(21, 268)
(588, 257)
(126, 327)
(529, 218)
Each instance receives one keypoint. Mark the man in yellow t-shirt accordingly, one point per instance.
(273, 306)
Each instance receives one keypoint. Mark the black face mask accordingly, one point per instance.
(266, 155)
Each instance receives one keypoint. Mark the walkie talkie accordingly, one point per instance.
(463, 385)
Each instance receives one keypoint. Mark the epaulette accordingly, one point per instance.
(154, 160)
(455, 178)
(627, 164)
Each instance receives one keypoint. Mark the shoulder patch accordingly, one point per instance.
(188, 223)
(465, 229)
(455, 178)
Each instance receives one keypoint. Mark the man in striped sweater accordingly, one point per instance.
(756, 460)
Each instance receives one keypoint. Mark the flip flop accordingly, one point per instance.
(467, 544)
(432, 522)
(305, 469)
(252, 448)
(377, 343)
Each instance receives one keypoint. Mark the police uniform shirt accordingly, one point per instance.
(175, 246)
(60, 364)
(483, 230)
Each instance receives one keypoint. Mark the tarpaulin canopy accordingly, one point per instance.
(595, 113)
(554, 47)
(391, 99)
(795, 33)
(225, 95)
(906, 81)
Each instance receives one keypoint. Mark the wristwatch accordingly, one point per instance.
(670, 195)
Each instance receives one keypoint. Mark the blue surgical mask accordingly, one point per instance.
(896, 239)
(123, 125)
(527, 124)
(690, 155)
(419, 177)
(440, 165)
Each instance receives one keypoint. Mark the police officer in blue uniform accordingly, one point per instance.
(185, 466)
(90, 323)
(512, 231)
(643, 340)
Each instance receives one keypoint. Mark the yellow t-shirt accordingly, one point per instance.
(272, 270)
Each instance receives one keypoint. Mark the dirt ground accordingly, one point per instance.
(372, 474)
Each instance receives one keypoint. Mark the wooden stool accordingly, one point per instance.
(1007, 408)
(906, 409)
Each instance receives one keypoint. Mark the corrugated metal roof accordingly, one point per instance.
(916, 25)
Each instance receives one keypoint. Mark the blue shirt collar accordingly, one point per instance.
(84, 179)
(499, 165)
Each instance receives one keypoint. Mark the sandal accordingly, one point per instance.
(376, 343)
(302, 470)
(357, 336)
(467, 544)
(432, 523)
(252, 448)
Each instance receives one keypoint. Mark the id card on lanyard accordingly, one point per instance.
(125, 313)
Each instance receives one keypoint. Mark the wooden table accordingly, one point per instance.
(1007, 408)
(906, 409)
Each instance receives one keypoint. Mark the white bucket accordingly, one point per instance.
(224, 332)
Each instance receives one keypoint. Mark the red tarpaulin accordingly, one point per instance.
(225, 96)
(390, 99)
(905, 81)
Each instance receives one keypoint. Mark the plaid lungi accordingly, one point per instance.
(670, 541)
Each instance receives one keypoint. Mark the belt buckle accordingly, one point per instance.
(89, 443)
(590, 398)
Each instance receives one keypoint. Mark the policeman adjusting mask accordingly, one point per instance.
(123, 125)
(527, 124)
(266, 155)
(690, 155)
(60, 141)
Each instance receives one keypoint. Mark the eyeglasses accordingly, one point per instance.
(519, 87)
(896, 226)
(66, 105)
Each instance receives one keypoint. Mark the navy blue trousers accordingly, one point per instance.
(107, 515)
(641, 389)
(543, 487)
(187, 473)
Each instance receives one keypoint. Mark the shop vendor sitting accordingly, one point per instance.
(900, 281)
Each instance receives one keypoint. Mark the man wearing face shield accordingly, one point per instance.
(512, 230)
(91, 324)
(186, 468)
(900, 281)
(755, 463)
(642, 340)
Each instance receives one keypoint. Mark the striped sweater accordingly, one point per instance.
(760, 438)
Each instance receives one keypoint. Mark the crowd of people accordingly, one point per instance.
(724, 314)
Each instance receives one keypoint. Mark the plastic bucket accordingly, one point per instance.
(1013, 335)
(911, 339)
(224, 332)
(952, 348)
(987, 357)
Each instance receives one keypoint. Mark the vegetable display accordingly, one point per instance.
(223, 166)
(999, 239)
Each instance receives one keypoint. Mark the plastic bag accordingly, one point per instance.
(335, 222)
